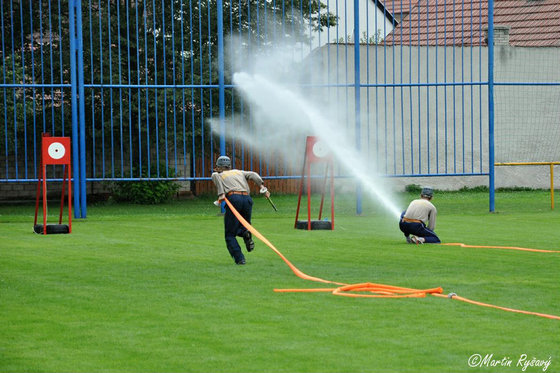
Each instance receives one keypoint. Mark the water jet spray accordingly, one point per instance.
(270, 100)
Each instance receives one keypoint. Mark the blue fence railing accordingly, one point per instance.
(140, 86)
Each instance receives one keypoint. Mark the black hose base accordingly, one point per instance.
(52, 228)
(315, 225)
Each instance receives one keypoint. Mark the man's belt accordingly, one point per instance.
(412, 220)
(236, 192)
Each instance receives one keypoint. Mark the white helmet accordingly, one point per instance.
(223, 162)
(427, 192)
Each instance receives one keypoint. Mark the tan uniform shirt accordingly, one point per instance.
(422, 209)
(235, 181)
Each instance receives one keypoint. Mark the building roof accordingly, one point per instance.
(532, 23)
(400, 6)
(385, 10)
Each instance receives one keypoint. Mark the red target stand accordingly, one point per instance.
(54, 151)
(316, 153)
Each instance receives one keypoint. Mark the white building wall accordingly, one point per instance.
(451, 121)
(374, 23)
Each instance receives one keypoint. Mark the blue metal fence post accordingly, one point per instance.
(81, 117)
(74, 84)
(491, 104)
(221, 88)
(358, 127)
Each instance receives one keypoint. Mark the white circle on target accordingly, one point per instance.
(320, 149)
(56, 150)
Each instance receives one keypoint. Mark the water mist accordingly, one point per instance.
(283, 117)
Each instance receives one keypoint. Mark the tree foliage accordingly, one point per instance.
(150, 68)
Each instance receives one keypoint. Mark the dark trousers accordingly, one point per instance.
(419, 230)
(233, 228)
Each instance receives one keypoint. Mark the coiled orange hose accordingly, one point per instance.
(378, 290)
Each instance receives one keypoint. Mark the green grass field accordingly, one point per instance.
(153, 289)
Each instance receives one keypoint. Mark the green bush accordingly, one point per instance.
(413, 188)
(145, 192)
(480, 188)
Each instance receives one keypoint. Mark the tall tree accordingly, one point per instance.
(127, 44)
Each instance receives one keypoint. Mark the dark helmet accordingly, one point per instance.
(427, 192)
(223, 162)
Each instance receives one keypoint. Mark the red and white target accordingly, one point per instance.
(316, 150)
(56, 150)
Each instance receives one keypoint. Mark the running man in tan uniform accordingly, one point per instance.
(419, 220)
(233, 185)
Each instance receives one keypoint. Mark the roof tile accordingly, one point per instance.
(461, 22)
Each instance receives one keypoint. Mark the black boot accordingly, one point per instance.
(249, 244)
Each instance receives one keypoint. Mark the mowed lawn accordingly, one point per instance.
(153, 289)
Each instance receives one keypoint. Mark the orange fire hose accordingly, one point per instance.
(379, 290)
(456, 297)
(502, 247)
